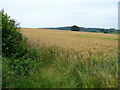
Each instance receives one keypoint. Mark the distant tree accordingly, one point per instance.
(106, 31)
(102, 30)
(75, 28)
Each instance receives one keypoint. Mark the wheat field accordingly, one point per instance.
(94, 43)
(76, 59)
(70, 39)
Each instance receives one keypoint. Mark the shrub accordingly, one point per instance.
(15, 48)
(11, 37)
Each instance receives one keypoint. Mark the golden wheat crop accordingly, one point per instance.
(88, 43)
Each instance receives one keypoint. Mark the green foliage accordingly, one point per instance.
(74, 28)
(15, 48)
(10, 36)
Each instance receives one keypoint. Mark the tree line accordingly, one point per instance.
(97, 30)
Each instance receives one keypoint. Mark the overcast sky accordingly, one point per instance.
(54, 13)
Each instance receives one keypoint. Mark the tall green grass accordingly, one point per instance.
(53, 67)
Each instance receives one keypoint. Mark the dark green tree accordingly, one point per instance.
(11, 37)
(75, 28)
(106, 31)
